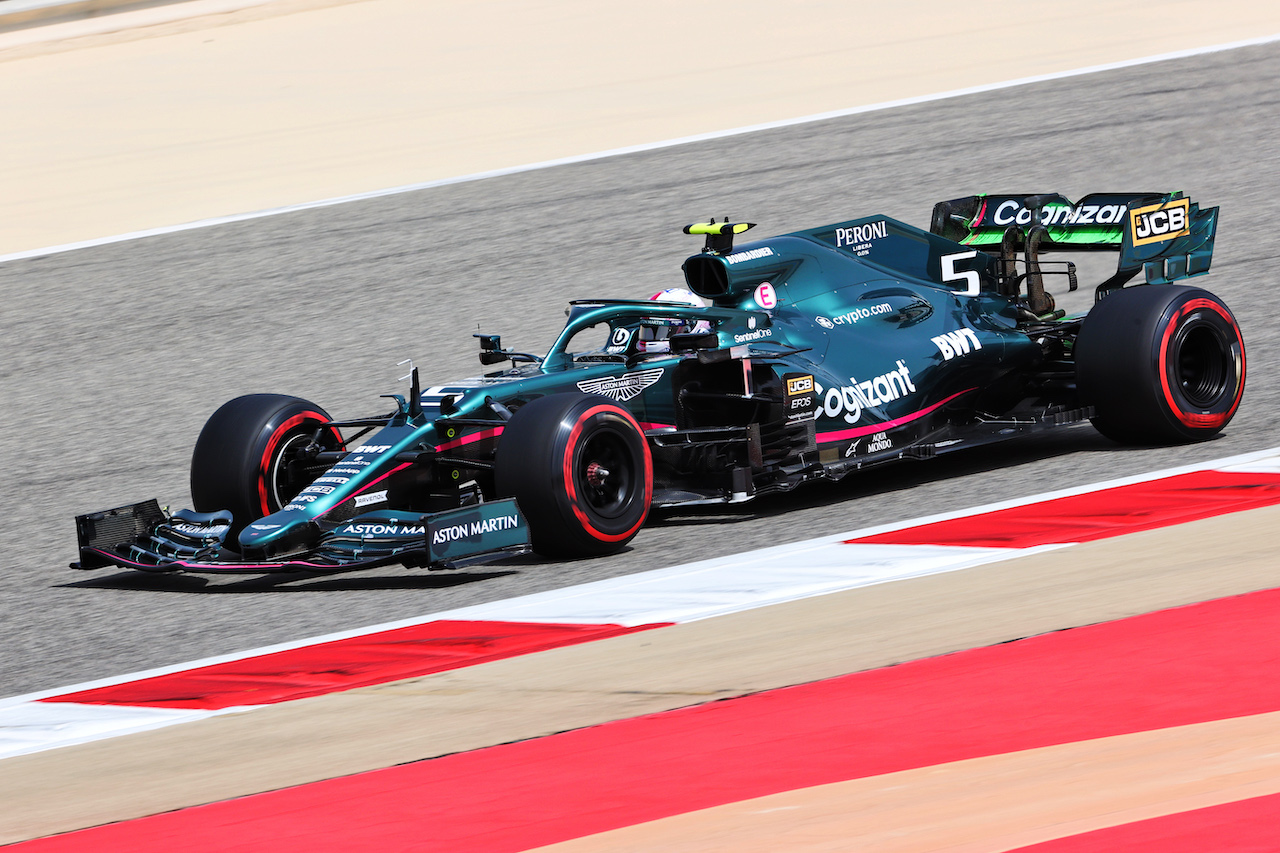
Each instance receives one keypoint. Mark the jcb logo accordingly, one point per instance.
(800, 385)
(1160, 222)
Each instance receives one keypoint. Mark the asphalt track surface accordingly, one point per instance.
(114, 356)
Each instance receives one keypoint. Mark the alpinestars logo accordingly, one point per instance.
(622, 388)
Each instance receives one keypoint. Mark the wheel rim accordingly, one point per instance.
(1203, 366)
(282, 487)
(605, 474)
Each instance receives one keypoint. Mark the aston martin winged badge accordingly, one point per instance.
(622, 388)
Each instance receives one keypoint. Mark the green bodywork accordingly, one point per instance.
(912, 342)
(820, 352)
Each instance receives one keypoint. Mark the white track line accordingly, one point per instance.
(1260, 460)
(38, 726)
(682, 593)
(636, 149)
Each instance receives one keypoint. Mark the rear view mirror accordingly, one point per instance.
(491, 349)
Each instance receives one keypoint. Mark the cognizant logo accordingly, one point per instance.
(849, 400)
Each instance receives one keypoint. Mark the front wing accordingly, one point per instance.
(145, 537)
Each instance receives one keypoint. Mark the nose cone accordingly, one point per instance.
(281, 533)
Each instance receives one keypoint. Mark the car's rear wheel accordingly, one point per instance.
(580, 469)
(242, 459)
(1160, 364)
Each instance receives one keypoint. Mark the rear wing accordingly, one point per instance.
(1165, 235)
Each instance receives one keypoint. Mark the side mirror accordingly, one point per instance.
(491, 349)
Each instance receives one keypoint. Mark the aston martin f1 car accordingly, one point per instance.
(806, 356)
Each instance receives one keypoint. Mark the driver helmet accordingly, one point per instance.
(657, 329)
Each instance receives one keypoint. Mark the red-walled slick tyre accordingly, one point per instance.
(580, 469)
(1161, 364)
(241, 459)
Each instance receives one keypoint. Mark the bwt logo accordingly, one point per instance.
(956, 343)
(1160, 222)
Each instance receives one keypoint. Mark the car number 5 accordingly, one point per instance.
(950, 273)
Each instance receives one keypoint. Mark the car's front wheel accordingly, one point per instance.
(1160, 364)
(242, 459)
(580, 469)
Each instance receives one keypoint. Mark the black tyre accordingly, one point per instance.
(1161, 364)
(241, 460)
(580, 469)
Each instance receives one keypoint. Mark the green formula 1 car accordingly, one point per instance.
(805, 356)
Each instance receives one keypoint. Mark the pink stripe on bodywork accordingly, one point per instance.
(829, 437)
(470, 438)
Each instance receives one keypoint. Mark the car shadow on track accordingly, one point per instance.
(896, 477)
(857, 486)
(290, 582)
